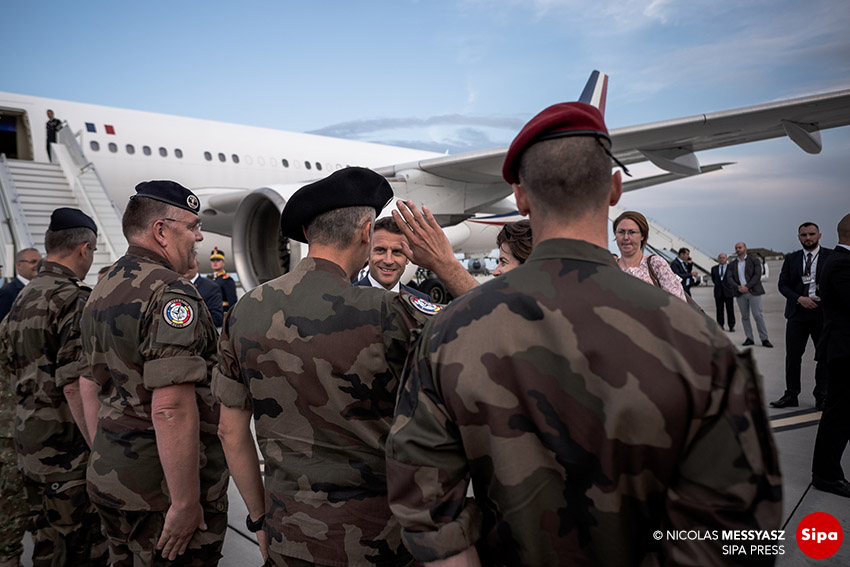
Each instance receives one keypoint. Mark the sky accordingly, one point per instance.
(455, 76)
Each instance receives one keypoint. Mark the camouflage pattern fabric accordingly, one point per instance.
(67, 526)
(140, 550)
(318, 361)
(45, 356)
(588, 409)
(13, 505)
(13, 502)
(146, 327)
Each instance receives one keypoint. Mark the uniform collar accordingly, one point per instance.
(148, 254)
(55, 268)
(556, 248)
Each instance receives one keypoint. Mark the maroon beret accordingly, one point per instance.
(557, 121)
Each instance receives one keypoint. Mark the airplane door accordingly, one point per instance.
(15, 135)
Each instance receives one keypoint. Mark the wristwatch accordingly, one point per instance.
(254, 526)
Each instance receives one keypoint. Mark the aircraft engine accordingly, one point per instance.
(260, 252)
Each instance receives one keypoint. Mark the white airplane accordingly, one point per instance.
(245, 174)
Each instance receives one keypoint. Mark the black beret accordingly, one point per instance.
(169, 192)
(349, 187)
(557, 121)
(64, 218)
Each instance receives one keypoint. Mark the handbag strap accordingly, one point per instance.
(652, 270)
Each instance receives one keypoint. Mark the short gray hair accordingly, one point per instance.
(65, 241)
(338, 227)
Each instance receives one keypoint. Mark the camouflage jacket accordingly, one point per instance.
(8, 401)
(318, 361)
(146, 327)
(588, 409)
(44, 356)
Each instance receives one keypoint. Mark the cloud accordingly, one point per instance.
(453, 133)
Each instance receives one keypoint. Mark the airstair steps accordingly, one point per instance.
(40, 188)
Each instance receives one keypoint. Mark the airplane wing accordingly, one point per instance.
(670, 145)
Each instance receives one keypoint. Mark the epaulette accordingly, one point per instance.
(225, 276)
(82, 285)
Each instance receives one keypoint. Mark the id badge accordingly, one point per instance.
(808, 280)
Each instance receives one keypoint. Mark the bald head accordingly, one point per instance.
(844, 230)
(741, 250)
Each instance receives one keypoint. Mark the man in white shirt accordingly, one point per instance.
(798, 282)
(744, 274)
(387, 260)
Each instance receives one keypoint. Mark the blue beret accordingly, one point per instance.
(64, 218)
(349, 187)
(169, 192)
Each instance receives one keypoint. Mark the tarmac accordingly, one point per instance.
(794, 432)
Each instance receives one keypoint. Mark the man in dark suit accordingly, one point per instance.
(834, 351)
(210, 293)
(684, 268)
(798, 282)
(26, 266)
(723, 293)
(387, 260)
(744, 276)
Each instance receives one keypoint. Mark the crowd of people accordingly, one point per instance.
(560, 413)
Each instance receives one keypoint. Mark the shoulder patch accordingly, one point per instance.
(424, 306)
(178, 313)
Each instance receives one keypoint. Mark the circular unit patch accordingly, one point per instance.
(192, 201)
(178, 313)
(425, 306)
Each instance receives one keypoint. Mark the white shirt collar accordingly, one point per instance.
(377, 284)
(193, 280)
(22, 279)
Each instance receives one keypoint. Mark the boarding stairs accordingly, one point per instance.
(30, 191)
(664, 242)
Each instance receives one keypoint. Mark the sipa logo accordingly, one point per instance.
(819, 535)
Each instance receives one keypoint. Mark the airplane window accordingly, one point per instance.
(207, 156)
(261, 160)
(235, 158)
(285, 162)
(339, 166)
(113, 147)
(221, 157)
(318, 166)
(163, 152)
(130, 149)
(248, 160)
(307, 165)
(146, 150)
(272, 162)
(178, 153)
(94, 146)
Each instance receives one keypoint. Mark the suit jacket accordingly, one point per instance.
(722, 287)
(366, 282)
(752, 273)
(8, 293)
(835, 299)
(791, 282)
(211, 294)
(684, 272)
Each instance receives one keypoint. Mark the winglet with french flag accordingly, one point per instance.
(595, 91)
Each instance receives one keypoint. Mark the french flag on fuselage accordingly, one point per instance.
(108, 128)
(90, 127)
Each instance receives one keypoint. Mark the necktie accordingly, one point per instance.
(808, 271)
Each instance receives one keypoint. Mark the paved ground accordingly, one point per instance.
(794, 432)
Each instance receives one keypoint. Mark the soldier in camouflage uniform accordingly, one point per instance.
(157, 472)
(317, 363)
(13, 502)
(46, 359)
(587, 408)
